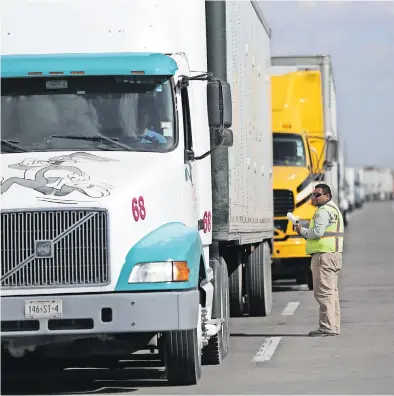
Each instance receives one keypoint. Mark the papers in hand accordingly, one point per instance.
(293, 219)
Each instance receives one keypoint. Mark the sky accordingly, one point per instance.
(359, 36)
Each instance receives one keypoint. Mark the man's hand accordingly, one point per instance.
(298, 228)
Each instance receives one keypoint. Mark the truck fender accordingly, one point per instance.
(169, 242)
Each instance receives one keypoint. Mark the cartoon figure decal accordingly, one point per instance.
(58, 177)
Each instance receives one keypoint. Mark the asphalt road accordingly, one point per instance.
(273, 355)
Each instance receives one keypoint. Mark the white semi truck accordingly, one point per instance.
(386, 184)
(131, 214)
(343, 201)
(371, 179)
(378, 183)
(360, 187)
(350, 186)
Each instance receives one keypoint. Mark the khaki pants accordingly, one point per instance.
(325, 268)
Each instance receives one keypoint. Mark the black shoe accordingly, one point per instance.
(321, 333)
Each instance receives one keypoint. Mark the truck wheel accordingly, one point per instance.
(182, 355)
(235, 286)
(346, 218)
(218, 345)
(309, 279)
(304, 274)
(259, 278)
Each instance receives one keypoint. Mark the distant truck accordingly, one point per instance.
(350, 185)
(131, 217)
(371, 179)
(386, 183)
(392, 189)
(378, 183)
(343, 201)
(359, 187)
(305, 141)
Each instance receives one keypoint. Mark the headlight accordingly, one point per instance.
(164, 271)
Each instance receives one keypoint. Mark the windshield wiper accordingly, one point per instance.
(13, 144)
(94, 139)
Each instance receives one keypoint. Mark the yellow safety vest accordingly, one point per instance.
(332, 240)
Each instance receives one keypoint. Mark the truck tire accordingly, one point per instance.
(304, 275)
(218, 345)
(346, 218)
(259, 280)
(182, 355)
(309, 279)
(235, 286)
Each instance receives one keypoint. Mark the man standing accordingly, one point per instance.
(324, 242)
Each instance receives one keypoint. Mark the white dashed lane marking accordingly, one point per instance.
(268, 348)
(291, 308)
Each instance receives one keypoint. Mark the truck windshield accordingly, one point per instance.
(87, 113)
(289, 150)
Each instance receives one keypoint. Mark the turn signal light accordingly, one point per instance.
(180, 271)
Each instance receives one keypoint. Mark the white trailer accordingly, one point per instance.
(350, 186)
(242, 182)
(386, 184)
(360, 187)
(343, 201)
(371, 177)
(392, 189)
(124, 192)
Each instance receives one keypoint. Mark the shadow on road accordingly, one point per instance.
(268, 335)
(288, 286)
(121, 377)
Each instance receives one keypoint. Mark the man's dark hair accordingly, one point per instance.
(325, 188)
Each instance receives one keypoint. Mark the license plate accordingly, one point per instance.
(35, 309)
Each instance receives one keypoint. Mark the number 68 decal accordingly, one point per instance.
(138, 208)
(207, 222)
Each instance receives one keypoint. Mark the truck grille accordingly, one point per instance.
(283, 202)
(280, 225)
(56, 248)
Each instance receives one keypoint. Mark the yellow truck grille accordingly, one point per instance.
(283, 202)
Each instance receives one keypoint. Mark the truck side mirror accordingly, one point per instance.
(219, 104)
(223, 140)
(332, 151)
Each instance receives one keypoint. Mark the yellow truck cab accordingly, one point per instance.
(305, 152)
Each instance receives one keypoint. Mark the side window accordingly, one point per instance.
(186, 120)
(311, 159)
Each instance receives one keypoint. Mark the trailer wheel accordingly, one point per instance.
(304, 274)
(218, 345)
(235, 286)
(182, 355)
(346, 218)
(259, 280)
(309, 279)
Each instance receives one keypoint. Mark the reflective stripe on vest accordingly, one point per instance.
(334, 232)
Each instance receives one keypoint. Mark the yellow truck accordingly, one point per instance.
(305, 151)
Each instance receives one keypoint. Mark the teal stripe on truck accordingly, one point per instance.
(106, 64)
(170, 242)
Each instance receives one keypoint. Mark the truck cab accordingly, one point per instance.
(121, 201)
(105, 160)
